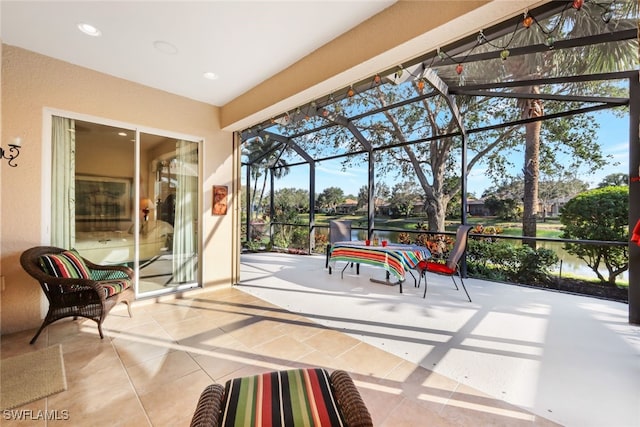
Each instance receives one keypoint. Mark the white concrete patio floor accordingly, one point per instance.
(571, 359)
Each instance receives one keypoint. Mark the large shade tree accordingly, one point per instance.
(381, 193)
(563, 143)
(435, 164)
(413, 134)
(330, 198)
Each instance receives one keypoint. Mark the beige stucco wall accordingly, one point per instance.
(31, 83)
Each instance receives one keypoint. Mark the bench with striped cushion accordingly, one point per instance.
(299, 397)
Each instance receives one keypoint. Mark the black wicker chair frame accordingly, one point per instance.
(76, 297)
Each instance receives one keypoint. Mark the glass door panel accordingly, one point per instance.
(169, 213)
(104, 190)
(116, 212)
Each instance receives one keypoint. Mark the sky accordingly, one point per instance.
(613, 137)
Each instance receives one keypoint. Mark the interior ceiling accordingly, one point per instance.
(243, 42)
(97, 133)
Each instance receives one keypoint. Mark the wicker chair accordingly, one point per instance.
(211, 405)
(91, 297)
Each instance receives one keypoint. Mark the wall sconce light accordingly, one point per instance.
(12, 153)
(146, 205)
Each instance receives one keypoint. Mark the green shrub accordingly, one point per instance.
(253, 245)
(279, 241)
(508, 262)
(599, 214)
(535, 264)
(299, 238)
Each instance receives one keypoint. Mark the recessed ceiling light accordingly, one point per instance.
(89, 30)
(122, 133)
(210, 75)
(165, 47)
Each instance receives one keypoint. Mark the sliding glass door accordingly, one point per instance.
(121, 196)
(169, 203)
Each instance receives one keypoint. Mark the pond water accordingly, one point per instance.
(567, 264)
(574, 265)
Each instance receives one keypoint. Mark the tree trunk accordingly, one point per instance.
(531, 174)
(436, 212)
(253, 194)
(532, 108)
(436, 200)
(264, 186)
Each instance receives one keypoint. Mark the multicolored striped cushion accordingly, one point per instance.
(67, 264)
(300, 397)
(113, 287)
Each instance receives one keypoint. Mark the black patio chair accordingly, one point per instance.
(451, 267)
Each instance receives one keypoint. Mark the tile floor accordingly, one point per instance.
(150, 369)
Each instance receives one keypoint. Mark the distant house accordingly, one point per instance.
(545, 209)
(552, 207)
(477, 208)
(349, 206)
(381, 207)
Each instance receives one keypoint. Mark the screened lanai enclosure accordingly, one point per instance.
(519, 105)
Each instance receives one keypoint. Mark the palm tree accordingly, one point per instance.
(262, 155)
(582, 20)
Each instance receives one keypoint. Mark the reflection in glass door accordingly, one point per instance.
(169, 213)
(110, 217)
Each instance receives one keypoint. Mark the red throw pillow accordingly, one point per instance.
(635, 236)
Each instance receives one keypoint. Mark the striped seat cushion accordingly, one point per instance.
(299, 397)
(113, 287)
(67, 264)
